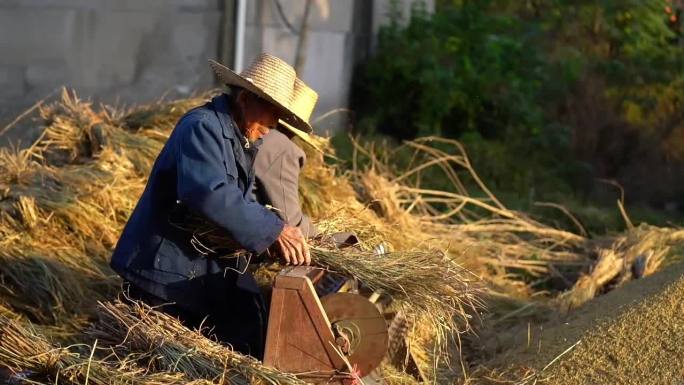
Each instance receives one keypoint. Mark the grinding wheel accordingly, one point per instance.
(362, 324)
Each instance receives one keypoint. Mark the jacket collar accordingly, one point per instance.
(222, 110)
(231, 132)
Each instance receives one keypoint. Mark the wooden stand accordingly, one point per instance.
(299, 339)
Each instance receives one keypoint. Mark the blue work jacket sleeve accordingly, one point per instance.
(205, 186)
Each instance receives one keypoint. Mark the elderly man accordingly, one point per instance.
(206, 168)
(280, 160)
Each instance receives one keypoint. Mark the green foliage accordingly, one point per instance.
(548, 95)
(471, 73)
(461, 70)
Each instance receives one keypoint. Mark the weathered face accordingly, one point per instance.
(258, 115)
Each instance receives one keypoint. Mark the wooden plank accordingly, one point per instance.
(299, 338)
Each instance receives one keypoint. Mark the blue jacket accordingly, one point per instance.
(206, 167)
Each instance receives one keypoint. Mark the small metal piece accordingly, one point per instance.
(343, 343)
(332, 283)
(349, 333)
(375, 296)
(639, 266)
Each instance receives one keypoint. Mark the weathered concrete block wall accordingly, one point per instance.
(341, 34)
(134, 51)
(338, 37)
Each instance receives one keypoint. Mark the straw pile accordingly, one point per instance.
(25, 351)
(639, 252)
(510, 250)
(65, 199)
(168, 346)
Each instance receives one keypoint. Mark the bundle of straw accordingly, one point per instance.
(23, 350)
(466, 215)
(65, 199)
(171, 347)
(427, 282)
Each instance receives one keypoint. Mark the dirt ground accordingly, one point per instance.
(632, 335)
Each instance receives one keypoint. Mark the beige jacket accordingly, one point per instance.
(277, 167)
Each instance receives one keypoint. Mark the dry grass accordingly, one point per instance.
(465, 218)
(168, 346)
(65, 199)
(24, 350)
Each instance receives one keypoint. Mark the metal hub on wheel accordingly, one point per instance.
(360, 329)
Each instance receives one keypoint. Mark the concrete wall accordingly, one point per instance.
(341, 35)
(131, 50)
(134, 51)
(337, 39)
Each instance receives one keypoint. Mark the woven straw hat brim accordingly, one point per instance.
(306, 137)
(303, 100)
(231, 78)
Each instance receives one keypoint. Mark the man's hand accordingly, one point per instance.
(291, 246)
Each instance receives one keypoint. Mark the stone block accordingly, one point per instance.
(173, 57)
(12, 82)
(116, 5)
(106, 45)
(279, 42)
(326, 15)
(52, 4)
(47, 75)
(163, 5)
(327, 68)
(30, 35)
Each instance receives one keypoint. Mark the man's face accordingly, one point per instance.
(259, 115)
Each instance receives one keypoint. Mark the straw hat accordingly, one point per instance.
(303, 101)
(271, 79)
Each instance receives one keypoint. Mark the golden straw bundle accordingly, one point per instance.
(171, 347)
(24, 351)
